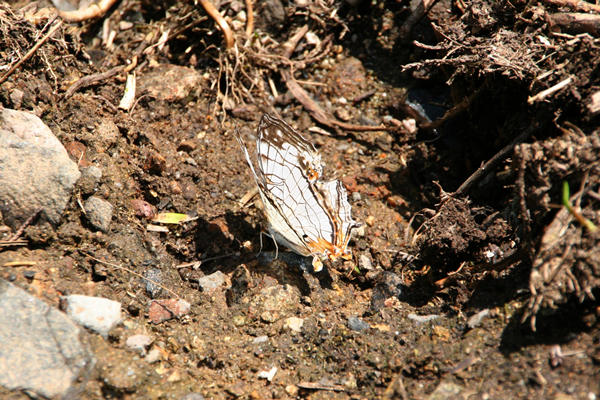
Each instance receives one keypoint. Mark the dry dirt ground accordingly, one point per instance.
(474, 282)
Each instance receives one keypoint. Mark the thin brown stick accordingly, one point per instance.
(315, 110)
(91, 79)
(420, 11)
(31, 52)
(575, 4)
(94, 10)
(453, 112)
(491, 163)
(24, 225)
(574, 23)
(290, 45)
(249, 19)
(131, 272)
(216, 15)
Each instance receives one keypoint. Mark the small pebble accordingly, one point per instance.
(153, 278)
(421, 319)
(29, 274)
(356, 196)
(193, 396)
(268, 316)
(90, 176)
(294, 324)
(143, 209)
(260, 339)
(125, 25)
(95, 313)
(239, 320)
(165, 309)
(153, 356)
(364, 262)
(139, 343)
(292, 390)
(268, 375)
(212, 281)
(357, 324)
(99, 212)
(389, 284)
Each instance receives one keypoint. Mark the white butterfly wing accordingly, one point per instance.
(305, 215)
(294, 204)
(336, 199)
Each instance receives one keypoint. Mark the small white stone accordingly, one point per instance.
(268, 375)
(153, 356)
(95, 313)
(260, 339)
(294, 324)
(139, 343)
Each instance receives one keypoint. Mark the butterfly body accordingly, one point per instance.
(310, 217)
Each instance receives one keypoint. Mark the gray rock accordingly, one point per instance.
(95, 313)
(40, 351)
(90, 177)
(364, 262)
(98, 212)
(357, 324)
(155, 277)
(212, 281)
(35, 169)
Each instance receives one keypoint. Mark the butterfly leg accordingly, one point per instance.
(276, 248)
(274, 241)
(261, 243)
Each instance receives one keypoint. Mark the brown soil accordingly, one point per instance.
(436, 245)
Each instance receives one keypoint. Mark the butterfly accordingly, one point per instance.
(306, 215)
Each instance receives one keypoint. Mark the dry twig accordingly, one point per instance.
(545, 93)
(216, 15)
(575, 22)
(575, 4)
(315, 110)
(249, 19)
(492, 162)
(92, 79)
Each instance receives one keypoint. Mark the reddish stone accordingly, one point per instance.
(165, 309)
(143, 208)
(77, 151)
